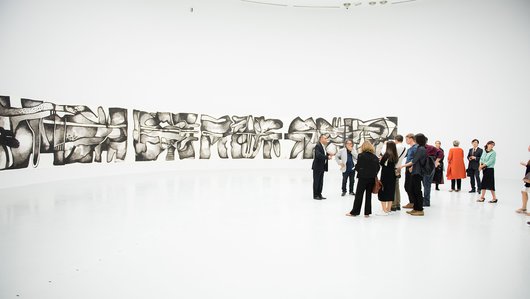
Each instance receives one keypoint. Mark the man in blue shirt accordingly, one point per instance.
(411, 142)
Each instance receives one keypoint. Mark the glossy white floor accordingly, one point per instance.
(253, 234)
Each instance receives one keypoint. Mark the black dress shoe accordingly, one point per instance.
(343, 193)
(317, 198)
(472, 191)
(322, 197)
(352, 193)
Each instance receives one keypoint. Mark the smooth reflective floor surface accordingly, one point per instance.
(253, 234)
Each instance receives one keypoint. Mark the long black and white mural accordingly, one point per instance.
(77, 134)
(71, 133)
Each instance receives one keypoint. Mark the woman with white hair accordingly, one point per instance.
(456, 170)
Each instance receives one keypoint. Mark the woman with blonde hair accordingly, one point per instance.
(367, 168)
(456, 170)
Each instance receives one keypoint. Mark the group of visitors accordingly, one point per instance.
(423, 164)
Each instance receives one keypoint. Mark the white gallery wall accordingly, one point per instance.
(452, 69)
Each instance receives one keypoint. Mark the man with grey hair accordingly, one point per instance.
(346, 158)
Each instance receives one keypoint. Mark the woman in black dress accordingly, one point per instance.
(388, 178)
(367, 168)
(438, 178)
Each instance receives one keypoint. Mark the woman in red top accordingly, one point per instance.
(456, 170)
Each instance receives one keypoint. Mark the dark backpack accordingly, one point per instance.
(427, 168)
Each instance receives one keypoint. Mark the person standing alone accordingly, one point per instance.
(320, 165)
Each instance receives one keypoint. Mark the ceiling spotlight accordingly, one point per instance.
(346, 5)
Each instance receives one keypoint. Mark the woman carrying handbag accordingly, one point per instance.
(367, 168)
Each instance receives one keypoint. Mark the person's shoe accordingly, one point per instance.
(352, 193)
(352, 215)
(409, 212)
(478, 191)
(493, 201)
(437, 189)
(426, 204)
(316, 197)
(528, 223)
(408, 206)
(343, 193)
(451, 190)
(417, 213)
(472, 191)
(321, 197)
(481, 200)
(393, 209)
(398, 208)
(457, 190)
(382, 213)
(520, 211)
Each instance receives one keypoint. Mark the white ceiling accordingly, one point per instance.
(330, 4)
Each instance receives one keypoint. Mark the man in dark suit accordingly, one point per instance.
(320, 165)
(473, 156)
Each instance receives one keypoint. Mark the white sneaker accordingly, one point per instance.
(382, 213)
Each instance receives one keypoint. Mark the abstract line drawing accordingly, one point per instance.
(249, 134)
(73, 134)
(305, 133)
(158, 132)
(376, 130)
(215, 130)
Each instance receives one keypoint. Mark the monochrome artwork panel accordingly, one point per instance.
(236, 137)
(306, 133)
(171, 134)
(71, 133)
(215, 131)
(250, 134)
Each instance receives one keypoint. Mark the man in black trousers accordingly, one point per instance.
(473, 156)
(320, 165)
